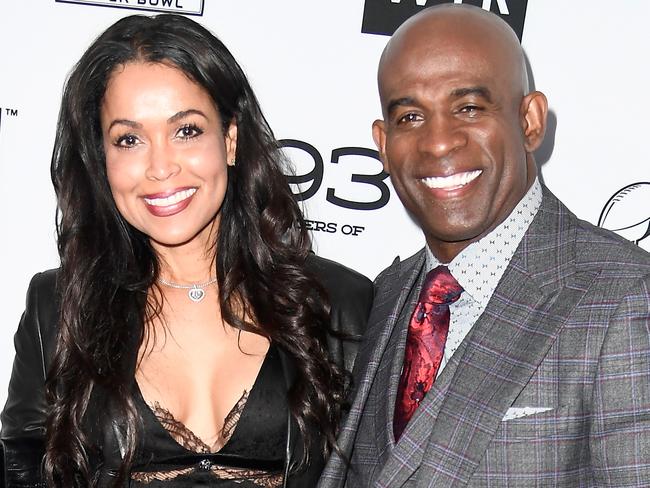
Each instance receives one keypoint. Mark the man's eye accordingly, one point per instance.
(471, 109)
(126, 141)
(189, 131)
(409, 118)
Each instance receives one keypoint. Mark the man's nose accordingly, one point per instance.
(441, 136)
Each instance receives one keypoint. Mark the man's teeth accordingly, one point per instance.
(171, 199)
(453, 181)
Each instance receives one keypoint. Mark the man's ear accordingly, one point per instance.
(379, 136)
(231, 143)
(533, 111)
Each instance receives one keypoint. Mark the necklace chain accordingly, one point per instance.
(178, 286)
(195, 292)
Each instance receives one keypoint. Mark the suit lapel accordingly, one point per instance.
(390, 369)
(386, 315)
(393, 287)
(407, 455)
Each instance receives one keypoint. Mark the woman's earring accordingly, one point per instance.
(232, 162)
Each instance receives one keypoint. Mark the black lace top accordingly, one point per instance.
(171, 456)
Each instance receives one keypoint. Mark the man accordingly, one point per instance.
(535, 370)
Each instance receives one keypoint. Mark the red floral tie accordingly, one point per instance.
(425, 343)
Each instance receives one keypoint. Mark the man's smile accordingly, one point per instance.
(451, 182)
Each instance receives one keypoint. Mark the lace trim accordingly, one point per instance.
(260, 478)
(190, 441)
(231, 420)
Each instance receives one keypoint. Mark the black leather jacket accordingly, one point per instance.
(24, 414)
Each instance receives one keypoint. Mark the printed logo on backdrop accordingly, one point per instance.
(365, 188)
(187, 7)
(385, 16)
(627, 212)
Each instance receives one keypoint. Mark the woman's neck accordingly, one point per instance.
(192, 262)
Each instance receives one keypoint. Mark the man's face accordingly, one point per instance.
(453, 137)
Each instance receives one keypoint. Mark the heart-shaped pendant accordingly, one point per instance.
(196, 294)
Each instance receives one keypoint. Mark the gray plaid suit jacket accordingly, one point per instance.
(568, 328)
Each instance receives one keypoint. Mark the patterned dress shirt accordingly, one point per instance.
(479, 267)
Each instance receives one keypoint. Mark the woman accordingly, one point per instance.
(183, 341)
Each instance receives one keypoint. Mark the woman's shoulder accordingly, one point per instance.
(42, 304)
(44, 281)
(340, 282)
(42, 293)
(350, 295)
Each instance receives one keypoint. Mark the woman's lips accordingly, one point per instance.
(169, 203)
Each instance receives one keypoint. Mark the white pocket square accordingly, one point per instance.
(519, 412)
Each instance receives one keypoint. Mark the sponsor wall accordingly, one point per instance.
(313, 67)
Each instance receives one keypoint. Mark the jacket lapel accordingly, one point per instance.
(389, 371)
(387, 355)
(407, 455)
(393, 287)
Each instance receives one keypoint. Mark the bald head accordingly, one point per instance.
(459, 30)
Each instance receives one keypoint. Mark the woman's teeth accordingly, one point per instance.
(171, 199)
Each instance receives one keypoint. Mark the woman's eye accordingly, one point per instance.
(189, 131)
(126, 141)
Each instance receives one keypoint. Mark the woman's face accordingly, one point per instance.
(166, 153)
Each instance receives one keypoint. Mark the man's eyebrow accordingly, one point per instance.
(399, 102)
(184, 113)
(480, 91)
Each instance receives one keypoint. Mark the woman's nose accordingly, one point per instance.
(162, 163)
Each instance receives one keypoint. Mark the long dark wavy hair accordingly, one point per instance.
(107, 266)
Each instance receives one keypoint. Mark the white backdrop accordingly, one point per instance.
(314, 73)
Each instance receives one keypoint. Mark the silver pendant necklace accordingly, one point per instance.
(195, 292)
